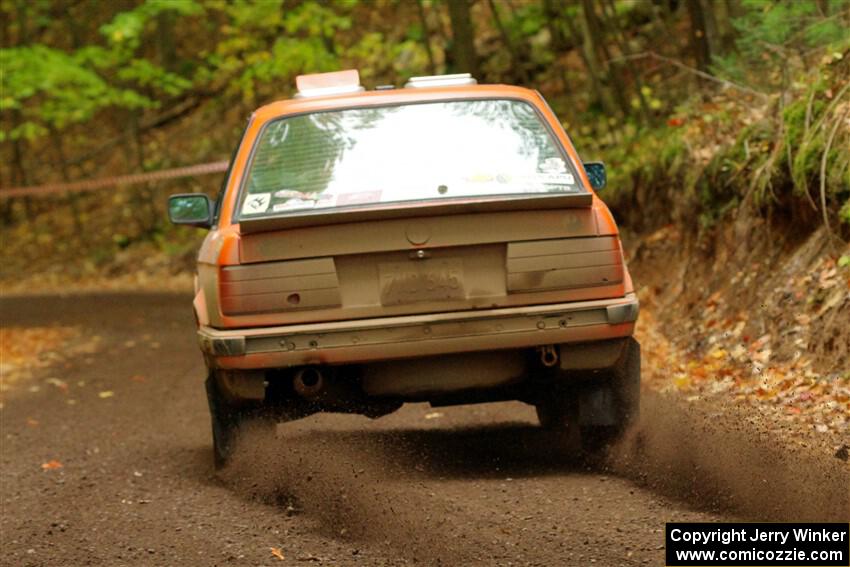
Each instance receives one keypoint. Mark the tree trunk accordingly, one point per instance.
(145, 191)
(552, 13)
(712, 33)
(426, 38)
(19, 170)
(464, 58)
(23, 19)
(667, 16)
(594, 43)
(516, 60)
(590, 63)
(20, 177)
(73, 198)
(617, 68)
(699, 35)
(166, 50)
(725, 30)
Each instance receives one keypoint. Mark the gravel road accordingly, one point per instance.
(446, 486)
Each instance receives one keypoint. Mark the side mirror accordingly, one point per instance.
(194, 209)
(596, 173)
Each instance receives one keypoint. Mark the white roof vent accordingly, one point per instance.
(326, 84)
(457, 80)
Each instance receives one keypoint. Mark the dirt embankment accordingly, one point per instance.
(754, 319)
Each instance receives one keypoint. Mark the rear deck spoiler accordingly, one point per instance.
(418, 209)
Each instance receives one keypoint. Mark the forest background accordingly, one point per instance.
(724, 124)
(700, 108)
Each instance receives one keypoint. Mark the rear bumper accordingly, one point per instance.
(386, 338)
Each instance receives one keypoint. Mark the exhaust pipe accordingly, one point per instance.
(309, 382)
(548, 356)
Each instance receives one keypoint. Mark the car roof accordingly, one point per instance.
(389, 97)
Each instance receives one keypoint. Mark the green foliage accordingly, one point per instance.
(808, 124)
(49, 88)
(770, 163)
(145, 74)
(844, 213)
(644, 157)
(126, 30)
(260, 42)
(68, 71)
(774, 37)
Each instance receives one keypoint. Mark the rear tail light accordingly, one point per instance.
(564, 263)
(279, 286)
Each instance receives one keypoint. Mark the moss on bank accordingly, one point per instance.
(781, 158)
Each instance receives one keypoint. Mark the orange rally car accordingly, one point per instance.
(441, 242)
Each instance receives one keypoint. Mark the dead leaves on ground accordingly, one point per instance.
(23, 349)
(28, 357)
(714, 356)
(28, 353)
(31, 357)
(51, 465)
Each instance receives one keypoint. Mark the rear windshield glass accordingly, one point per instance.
(419, 152)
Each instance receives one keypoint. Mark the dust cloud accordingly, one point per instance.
(352, 486)
(382, 487)
(723, 458)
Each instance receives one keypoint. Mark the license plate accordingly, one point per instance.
(421, 280)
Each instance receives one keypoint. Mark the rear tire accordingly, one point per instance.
(559, 414)
(570, 411)
(624, 384)
(227, 420)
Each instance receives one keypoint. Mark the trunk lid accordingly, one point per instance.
(426, 264)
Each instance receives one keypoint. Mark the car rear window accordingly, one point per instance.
(442, 151)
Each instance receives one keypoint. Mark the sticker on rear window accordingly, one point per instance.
(553, 165)
(360, 198)
(290, 194)
(293, 204)
(556, 178)
(325, 200)
(257, 203)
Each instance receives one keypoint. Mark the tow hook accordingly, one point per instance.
(548, 355)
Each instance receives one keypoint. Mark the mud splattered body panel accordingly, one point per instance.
(564, 264)
(278, 286)
(405, 280)
(372, 269)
